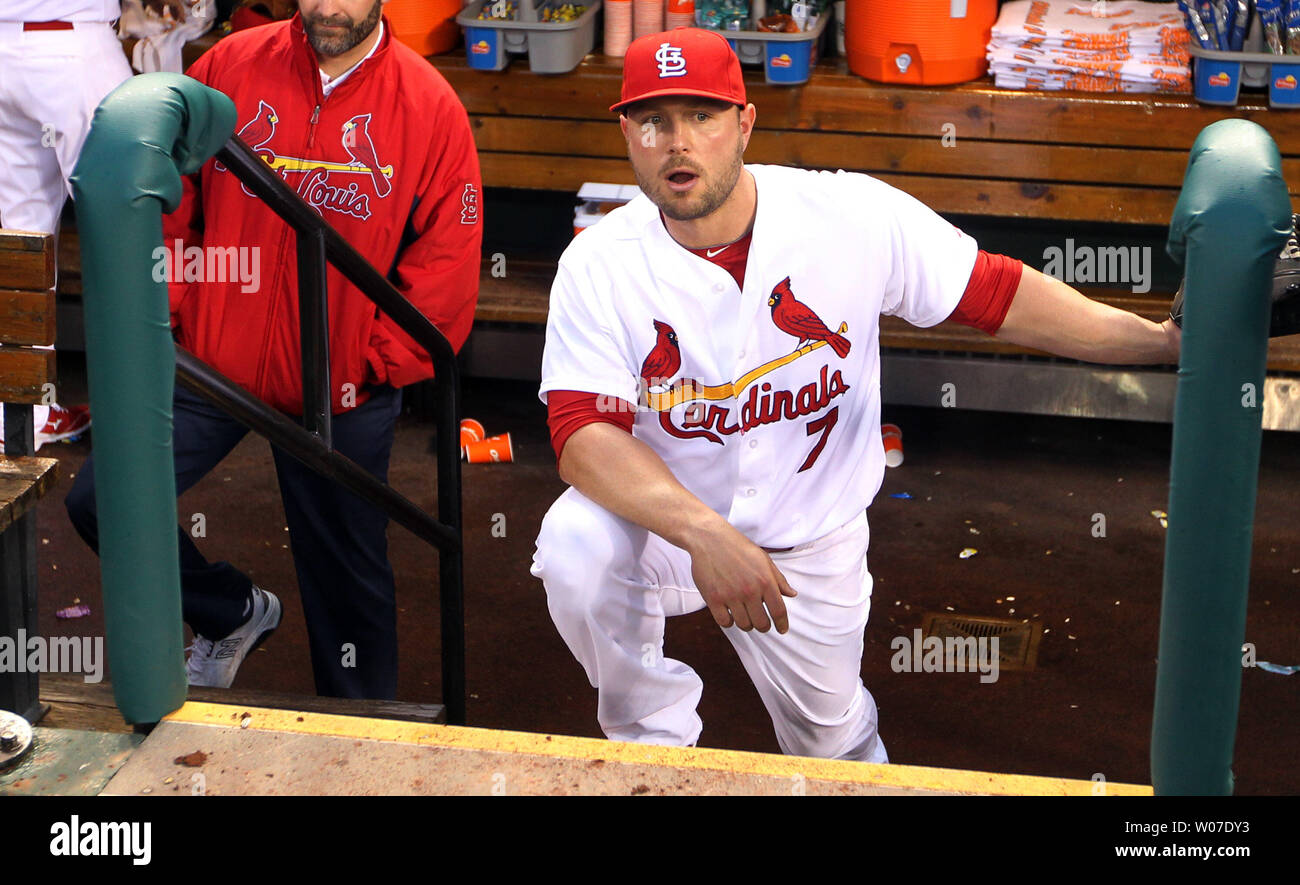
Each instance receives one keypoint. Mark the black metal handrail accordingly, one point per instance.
(312, 444)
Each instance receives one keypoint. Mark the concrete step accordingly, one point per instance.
(219, 749)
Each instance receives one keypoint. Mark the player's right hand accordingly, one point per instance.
(738, 580)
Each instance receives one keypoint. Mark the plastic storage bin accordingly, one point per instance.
(1217, 76)
(552, 47)
(786, 58)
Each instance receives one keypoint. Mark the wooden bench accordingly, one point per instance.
(916, 364)
(27, 378)
(521, 298)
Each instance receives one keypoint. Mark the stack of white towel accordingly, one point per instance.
(1090, 45)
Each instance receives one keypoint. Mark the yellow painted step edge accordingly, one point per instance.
(912, 777)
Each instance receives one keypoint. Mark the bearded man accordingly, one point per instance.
(373, 137)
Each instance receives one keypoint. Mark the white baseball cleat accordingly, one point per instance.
(214, 663)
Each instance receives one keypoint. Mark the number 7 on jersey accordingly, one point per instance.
(823, 425)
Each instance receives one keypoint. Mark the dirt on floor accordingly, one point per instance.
(1022, 491)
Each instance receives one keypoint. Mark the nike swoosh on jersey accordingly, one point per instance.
(711, 252)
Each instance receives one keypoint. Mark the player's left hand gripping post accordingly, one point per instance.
(145, 136)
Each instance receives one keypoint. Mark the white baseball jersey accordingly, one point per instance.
(60, 10)
(768, 418)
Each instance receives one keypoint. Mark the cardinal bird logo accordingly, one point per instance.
(664, 359)
(257, 131)
(797, 319)
(320, 185)
(356, 141)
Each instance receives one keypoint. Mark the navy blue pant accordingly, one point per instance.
(339, 544)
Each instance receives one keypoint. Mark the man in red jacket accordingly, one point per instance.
(374, 138)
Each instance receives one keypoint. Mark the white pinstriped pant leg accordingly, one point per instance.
(810, 677)
(51, 85)
(610, 586)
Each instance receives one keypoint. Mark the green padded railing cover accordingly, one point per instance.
(1230, 222)
(146, 134)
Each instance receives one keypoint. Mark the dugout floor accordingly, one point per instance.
(1029, 486)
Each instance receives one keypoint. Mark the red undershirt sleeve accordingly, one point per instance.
(567, 410)
(988, 295)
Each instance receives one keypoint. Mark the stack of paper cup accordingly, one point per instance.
(681, 14)
(647, 17)
(893, 438)
(618, 27)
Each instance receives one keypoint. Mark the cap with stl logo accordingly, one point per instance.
(683, 61)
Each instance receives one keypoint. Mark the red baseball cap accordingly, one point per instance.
(683, 61)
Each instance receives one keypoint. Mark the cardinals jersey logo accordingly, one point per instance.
(757, 401)
(661, 363)
(797, 319)
(256, 132)
(356, 141)
(259, 130)
(324, 184)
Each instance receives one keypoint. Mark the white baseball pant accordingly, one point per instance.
(610, 586)
(50, 84)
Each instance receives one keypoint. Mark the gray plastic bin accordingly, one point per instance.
(552, 47)
(786, 58)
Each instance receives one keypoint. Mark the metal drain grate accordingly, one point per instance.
(1017, 641)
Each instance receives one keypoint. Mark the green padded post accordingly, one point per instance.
(1231, 220)
(145, 135)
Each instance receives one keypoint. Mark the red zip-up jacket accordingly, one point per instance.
(388, 160)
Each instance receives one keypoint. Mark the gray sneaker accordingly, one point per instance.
(1285, 316)
(214, 663)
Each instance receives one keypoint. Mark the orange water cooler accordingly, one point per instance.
(427, 26)
(926, 42)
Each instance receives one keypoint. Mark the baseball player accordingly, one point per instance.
(712, 379)
(59, 58)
